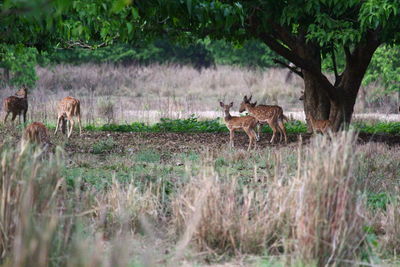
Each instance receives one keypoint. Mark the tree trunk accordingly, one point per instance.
(316, 101)
(342, 110)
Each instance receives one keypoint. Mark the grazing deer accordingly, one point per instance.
(322, 126)
(67, 108)
(247, 123)
(36, 133)
(272, 115)
(17, 105)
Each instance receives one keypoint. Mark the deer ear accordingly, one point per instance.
(255, 103)
(245, 98)
(231, 104)
(250, 97)
(221, 104)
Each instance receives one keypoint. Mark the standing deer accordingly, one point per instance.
(322, 126)
(247, 123)
(67, 108)
(272, 115)
(17, 105)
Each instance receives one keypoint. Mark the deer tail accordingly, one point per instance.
(284, 118)
(78, 109)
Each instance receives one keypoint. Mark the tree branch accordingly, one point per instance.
(298, 61)
(80, 44)
(334, 62)
(292, 69)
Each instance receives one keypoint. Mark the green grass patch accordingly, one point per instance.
(379, 127)
(194, 125)
(103, 146)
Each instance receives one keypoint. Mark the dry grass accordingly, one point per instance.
(314, 216)
(148, 93)
(295, 204)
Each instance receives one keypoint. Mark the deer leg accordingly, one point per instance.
(25, 115)
(58, 124)
(252, 137)
(273, 127)
(80, 125)
(14, 115)
(231, 136)
(283, 130)
(258, 131)
(5, 117)
(63, 125)
(71, 121)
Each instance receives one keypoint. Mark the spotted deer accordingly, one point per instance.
(67, 108)
(265, 114)
(16, 105)
(36, 133)
(233, 123)
(319, 126)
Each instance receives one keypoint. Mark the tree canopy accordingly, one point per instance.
(303, 32)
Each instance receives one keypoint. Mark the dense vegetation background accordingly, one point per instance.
(18, 62)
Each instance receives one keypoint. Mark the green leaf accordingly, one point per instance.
(135, 13)
(129, 26)
(189, 6)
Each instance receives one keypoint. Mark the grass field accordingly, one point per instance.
(136, 191)
(168, 198)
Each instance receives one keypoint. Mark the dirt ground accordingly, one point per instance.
(183, 142)
(115, 142)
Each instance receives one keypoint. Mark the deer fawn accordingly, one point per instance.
(247, 123)
(322, 126)
(67, 108)
(17, 105)
(36, 133)
(272, 115)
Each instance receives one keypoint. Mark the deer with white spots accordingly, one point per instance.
(67, 108)
(272, 115)
(246, 123)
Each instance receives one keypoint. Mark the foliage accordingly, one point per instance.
(385, 68)
(377, 201)
(18, 63)
(379, 127)
(252, 53)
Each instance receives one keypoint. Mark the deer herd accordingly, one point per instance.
(37, 132)
(69, 107)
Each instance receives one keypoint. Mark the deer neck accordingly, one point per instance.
(312, 121)
(250, 108)
(227, 115)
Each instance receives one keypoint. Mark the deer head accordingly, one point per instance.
(226, 107)
(22, 92)
(246, 101)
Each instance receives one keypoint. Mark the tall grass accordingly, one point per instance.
(302, 205)
(44, 223)
(314, 216)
